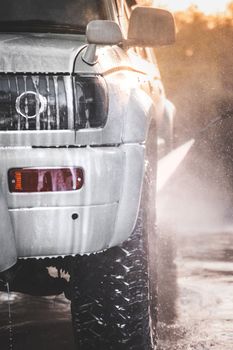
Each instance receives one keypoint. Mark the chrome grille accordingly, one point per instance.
(35, 102)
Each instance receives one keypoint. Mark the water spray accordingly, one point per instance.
(168, 164)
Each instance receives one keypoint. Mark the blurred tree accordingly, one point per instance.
(198, 70)
(230, 9)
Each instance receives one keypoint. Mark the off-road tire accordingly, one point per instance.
(113, 293)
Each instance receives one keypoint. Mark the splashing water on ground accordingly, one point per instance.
(10, 318)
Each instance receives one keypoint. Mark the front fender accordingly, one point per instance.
(8, 254)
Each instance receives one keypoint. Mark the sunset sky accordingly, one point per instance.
(207, 6)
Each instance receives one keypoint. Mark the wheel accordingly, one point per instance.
(113, 293)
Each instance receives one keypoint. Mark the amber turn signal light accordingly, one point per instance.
(22, 180)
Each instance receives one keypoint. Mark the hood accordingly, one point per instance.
(39, 53)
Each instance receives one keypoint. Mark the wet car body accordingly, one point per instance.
(64, 134)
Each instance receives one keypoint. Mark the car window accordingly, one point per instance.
(50, 15)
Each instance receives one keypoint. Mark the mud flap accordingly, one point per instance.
(8, 253)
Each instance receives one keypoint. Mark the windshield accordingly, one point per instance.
(49, 15)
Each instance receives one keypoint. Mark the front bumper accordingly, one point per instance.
(100, 215)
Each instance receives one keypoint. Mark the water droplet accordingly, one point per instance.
(10, 319)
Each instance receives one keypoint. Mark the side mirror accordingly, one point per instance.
(150, 27)
(103, 33)
(100, 32)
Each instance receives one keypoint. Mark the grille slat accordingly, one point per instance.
(57, 102)
(41, 100)
(17, 93)
(26, 109)
(48, 100)
(35, 81)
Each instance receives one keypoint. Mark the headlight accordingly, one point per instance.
(91, 101)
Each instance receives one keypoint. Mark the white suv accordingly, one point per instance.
(79, 103)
